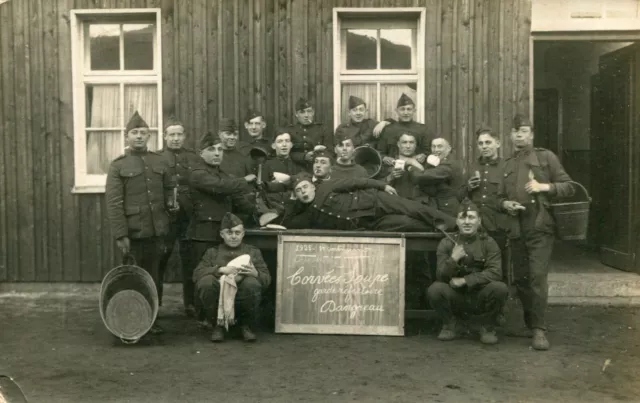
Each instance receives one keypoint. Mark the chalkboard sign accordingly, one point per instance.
(340, 285)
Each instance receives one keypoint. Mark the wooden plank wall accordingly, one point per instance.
(220, 57)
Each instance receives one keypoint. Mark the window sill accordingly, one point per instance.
(88, 189)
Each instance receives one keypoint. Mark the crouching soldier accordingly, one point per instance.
(139, 194)
(468, 277)
(236, 288)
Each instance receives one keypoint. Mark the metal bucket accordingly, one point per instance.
(128, 301)
(10, 392)
(572, 218)
(369, 158)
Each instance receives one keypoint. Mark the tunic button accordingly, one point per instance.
(484, 196)
(330, 213)
(338, 216)
(323, 210)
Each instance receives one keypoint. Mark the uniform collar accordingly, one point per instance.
(283, 158)
(468, 238)
(493, 161)
(131, 151)
(523, 152)
(224, 246)
(254, 140)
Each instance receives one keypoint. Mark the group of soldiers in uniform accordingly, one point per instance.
(304, 176)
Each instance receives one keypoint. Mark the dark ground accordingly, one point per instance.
(59, 351)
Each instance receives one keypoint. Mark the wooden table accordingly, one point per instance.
(415, 241)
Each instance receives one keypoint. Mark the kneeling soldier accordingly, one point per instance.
(468, 277)
(250, 280)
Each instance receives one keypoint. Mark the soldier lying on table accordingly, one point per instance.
(468, 277)
(221, 289)
(352, 203)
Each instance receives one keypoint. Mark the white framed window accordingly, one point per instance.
(378, 55)
(116, 71)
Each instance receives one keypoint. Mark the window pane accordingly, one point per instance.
(364, 91)
(395, 48)
(104, 44)
(138, 46)
(361, 49)
(389, 95)
(102, 148)
(103, 106)
(144, 99)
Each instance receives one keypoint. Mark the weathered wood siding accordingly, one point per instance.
(219, 58)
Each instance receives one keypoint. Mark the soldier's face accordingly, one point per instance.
(233, 237)
(440, 148)
(358, 113)
(468, 222)
(282, 145)
(212, 155)
(174, 137)
(255, 126)
(345, 151)
(407, 145)
(321, 167)
(228, 139)
(305, 192)
(522, 137)
(305, 116)
(137, 138)
(488, 146)
(406, 112)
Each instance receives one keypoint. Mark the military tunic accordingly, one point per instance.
(236, 164)
(484, 294)
(139, 185)
(278, 194)
(360, 132)
(306, 137)
(180, 162)
(533, 234)
(388, 141)
(250, 289)
(341, 171)
(442, 184)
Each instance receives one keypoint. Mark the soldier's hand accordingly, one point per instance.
(388, 161)
(379, 128)
(533, 186)
(473, 182)
(238, 278)
(247, 270)
(174, 207)
(250, 178)
(421, 158)
(396, 173)
(458, 252)
(124, 244)
(227, 270)
(309, 156)
(512, 207)
(390, 190)
(457, 282)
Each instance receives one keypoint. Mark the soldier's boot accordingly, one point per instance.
(247, 334)
(448, 331)
(488, 335)
(217, 336)
(539, 340)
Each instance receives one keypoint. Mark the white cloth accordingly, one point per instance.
(226, 302)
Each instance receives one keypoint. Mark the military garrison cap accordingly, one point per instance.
(404, 100)
(355, 101)
(209, 140)
(229, 221)
(521, 120)
(301, 177)
(302, 104)
(172, 121)
(136, 122)
(252, 114)
(467, 205)
(227, 125)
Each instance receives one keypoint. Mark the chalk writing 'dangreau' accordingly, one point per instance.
(354, 310)
(329, 278)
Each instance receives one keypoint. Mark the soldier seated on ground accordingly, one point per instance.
(352, 203)
(239, 289)
(345, 166)
(468, 277)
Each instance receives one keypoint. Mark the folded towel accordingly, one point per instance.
(226, 302)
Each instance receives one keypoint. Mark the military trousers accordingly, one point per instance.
(148, 252)
(247, 302)
(176, 233)
(192, 256)
(388, 204)
(502, 240)
(531, 253)
(484, 301)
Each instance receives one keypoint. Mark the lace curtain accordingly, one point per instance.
(389, 95)
(104, 112)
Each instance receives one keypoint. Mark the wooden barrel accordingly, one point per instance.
(128, 301)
